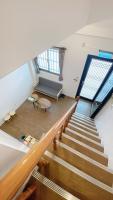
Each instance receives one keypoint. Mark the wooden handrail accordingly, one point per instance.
(14, 179)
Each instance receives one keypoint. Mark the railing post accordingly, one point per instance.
(66, 122)
(28, 192)
(54, 143)
(42, 163)
(61, 131)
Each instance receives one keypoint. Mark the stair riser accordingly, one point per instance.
(76, 185)
(84, 124)
(84, 127)
(86, 151)
(83, 120)
(95, 133)
(85, 141)
(83, 163)
(84, 133)
(83, 116)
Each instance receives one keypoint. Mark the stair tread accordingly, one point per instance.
(89, 139)
(53, 186)
(84, 123)
(83, 126)
(75, 181)
(83, 163)
(79, 172)
(84, 116)
(84, 131)
(85, 145)
(81, 114)
(85, 149)
(82, 119)
(94, 162)
(84, 137)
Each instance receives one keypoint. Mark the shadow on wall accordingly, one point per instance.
(15, 89)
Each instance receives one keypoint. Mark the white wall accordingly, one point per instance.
(100, 10)
(14, 89)
(8, 158)
(104, 123)
(9, 141)
(78, 47)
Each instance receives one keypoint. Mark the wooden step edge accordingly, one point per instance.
(84, 127)
(84, 163)
(92, 143)
(85, 145)
(53, 186)
(79, 172)
(84, 157)
(82, 119)
(86, 118)
(84, 123)
(91, 123)
(84, 131)
(82, 115)
(78, 113)
(73, 131)
(88, 135)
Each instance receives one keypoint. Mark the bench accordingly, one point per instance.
(49, 88)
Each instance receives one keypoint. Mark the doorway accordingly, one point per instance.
(96, 82)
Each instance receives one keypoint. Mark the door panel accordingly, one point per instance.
(103, 95)
(96, 84)
(105, 89)
(96, 74)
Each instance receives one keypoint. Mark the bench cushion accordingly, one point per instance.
(48, 87)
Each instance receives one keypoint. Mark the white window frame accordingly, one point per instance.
(50, 65)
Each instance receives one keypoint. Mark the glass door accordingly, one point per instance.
(103, 95)
(97, 71)
(96, 84)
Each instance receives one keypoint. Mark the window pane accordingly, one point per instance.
(49, 60)
(42, 60)
(54, 61)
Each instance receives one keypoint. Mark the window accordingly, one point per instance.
(105, 54)
(49, 60)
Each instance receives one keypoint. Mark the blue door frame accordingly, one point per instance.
(84, 74)
(102, 104)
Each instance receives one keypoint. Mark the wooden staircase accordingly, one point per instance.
(67, 163)
(78, 166)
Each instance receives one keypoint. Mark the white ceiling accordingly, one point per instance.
(100, 10)
(101, 29)
(28, 27)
